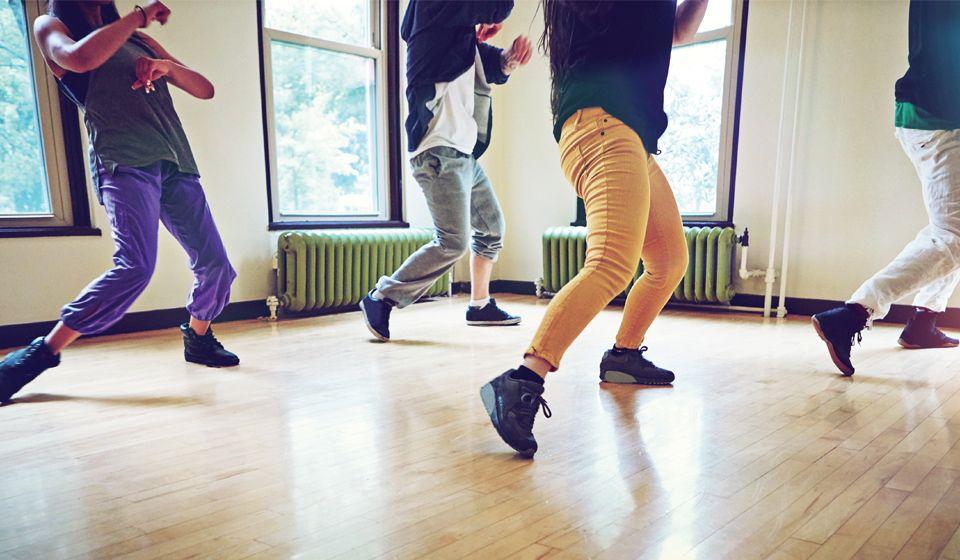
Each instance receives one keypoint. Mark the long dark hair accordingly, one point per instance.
(68, 11)
(560, 18)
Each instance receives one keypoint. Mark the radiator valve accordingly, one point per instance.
(273, 304)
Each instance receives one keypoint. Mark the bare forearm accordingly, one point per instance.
(689, 16)
(190, 81)
(96, 48)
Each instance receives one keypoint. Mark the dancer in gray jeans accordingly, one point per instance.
(449, 69)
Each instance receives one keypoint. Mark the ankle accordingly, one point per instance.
(523, 372)
(479, 302)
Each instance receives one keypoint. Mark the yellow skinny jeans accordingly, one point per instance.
(631, 214)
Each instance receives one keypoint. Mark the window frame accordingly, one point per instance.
(385, 51)
(65, 169)
(735, 34)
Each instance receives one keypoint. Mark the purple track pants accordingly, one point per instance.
(136, 200)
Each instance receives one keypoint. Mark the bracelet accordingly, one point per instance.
(142, 13)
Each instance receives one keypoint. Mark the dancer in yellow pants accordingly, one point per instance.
(609, 63)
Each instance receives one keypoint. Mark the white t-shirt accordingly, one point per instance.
(453, 125)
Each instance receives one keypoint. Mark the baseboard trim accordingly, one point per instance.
(18, 335)
(899, 314)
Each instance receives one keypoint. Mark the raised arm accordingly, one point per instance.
(179, 74)
(90, 52)
(689, 16)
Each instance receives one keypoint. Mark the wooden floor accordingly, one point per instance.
(323, 444)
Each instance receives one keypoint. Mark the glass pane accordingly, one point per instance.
(691, 146)
(344, 21)
(325, 118)
(23, 181)
(719, 14)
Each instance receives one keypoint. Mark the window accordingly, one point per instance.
(331, 107)
(699, 146)
(41, 188)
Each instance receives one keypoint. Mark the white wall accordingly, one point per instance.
(39, 275)
(218, 37)
(857, 200)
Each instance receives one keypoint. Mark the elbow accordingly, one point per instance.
(207, 92)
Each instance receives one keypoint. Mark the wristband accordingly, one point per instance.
(142, 13)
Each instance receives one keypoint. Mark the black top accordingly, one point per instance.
(442, 44)
(623, 64)
(933, 80)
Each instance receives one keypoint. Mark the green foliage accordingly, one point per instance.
(324, 111)
(23, 188)
(691, 145)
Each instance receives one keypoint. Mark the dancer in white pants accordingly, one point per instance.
(928, 127)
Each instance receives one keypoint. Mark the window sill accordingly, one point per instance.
(285, 226)
(67, 231)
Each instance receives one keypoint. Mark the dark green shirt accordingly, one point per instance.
(622, 63)
(908, 115)
(132, 127)
(932, 82)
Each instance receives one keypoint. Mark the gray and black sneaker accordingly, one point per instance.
(23, 366)
(512, 404)
(206, 349)
(490, 315)
(620, 365)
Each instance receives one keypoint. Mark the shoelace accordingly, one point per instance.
(639, 351)
(211, 341)
(529, 403)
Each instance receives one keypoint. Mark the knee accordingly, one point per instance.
(453, 245)
(613, 275)
(136, 271)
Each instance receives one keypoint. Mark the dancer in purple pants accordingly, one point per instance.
(145, 175)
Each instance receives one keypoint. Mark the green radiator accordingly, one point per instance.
(336, 268)
(709, 277)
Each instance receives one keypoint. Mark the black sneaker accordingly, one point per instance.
(23, 366)
(922, 332)
(205, 349)
(490, 315)
(838, 328)
(620, 365)
(512, 404)
(376, 314)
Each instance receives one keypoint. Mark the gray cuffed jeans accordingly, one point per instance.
(460, 198)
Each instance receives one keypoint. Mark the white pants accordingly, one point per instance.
(930, 264)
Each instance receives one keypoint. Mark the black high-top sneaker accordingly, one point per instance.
(922, 332)
(838, 328)
(512, 404)
(23, 366)
(205, 349)
(620, 365)
(490, 315)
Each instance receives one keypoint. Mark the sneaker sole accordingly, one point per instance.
(494, 323)
(380, 337)
(624, 378)
(489, 397)
(904, 344)
(846, 371)
(203, 363)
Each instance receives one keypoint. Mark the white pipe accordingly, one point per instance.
(775, 210)
(788, 219)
